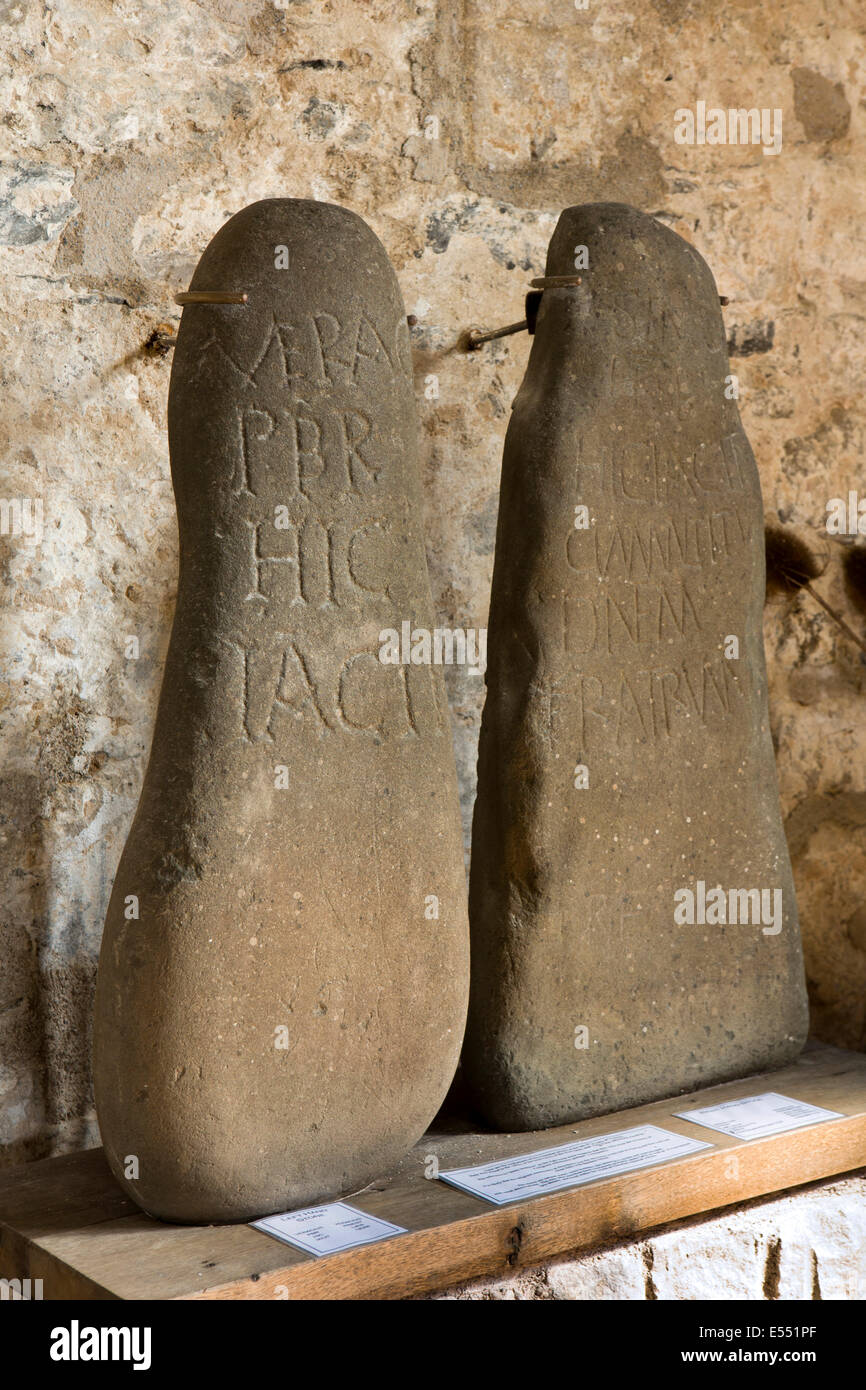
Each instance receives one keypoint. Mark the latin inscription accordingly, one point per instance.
(355, 694)
(657, 477)
(656, 703)
(309, 490)
(641, 627)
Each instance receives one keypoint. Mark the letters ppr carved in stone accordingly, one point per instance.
(625, 752)
(283, 1017)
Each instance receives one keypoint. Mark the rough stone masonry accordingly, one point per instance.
(176, 115)
(634, 928)
(283, 976)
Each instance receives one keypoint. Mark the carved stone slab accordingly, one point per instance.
(626, 764)
(283, 977)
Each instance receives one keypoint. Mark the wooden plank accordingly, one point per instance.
(65, 1220)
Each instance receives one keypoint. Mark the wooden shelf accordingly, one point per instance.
(66, 1222)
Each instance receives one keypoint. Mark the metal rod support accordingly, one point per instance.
(474, 336)
(211, 297)
(555, 282)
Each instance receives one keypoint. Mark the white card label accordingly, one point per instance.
(754, 1117)
(325, 1230)
(571, 1165)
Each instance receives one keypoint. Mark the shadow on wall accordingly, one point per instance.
(46, 990)
(827, 840)
(810, 574)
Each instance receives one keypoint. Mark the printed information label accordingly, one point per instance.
(757, 1116)
(571, 1165)
(327, 1229)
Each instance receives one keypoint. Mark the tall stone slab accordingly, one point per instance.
(626, 766)
(284, 972)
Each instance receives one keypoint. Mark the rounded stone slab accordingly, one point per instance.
(283, 977)
(625, 755)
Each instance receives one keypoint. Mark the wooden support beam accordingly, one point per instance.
(65, 1221)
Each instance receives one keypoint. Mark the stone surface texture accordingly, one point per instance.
(625, 754)
(285, 964)
(131, 132)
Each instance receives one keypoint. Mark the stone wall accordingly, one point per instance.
(132, 130)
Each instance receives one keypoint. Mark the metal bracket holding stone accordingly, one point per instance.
(211, 297)
(162, 339)
(474, 337)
